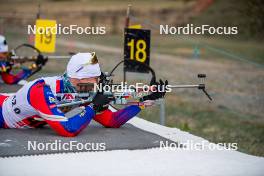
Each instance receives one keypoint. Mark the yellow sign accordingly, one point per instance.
(45, 37)
(136, 26)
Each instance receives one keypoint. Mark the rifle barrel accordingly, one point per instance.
(33, 58)
(74, 103)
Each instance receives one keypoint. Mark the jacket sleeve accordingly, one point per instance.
(42, 99)
(116, 119)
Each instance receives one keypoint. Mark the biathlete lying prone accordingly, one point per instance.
(34, 104)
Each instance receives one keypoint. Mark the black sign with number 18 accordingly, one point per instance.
(136, 49)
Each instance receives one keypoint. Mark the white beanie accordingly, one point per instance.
(3, 45)
(83, 65)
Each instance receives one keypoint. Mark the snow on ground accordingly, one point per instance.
(158, 161)
(136, 162)
(165, 161)
(173, 134)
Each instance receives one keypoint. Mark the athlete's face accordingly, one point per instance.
(76, 83)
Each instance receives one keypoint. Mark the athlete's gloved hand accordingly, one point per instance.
(41, 61)
(159, 92)
(100, 102)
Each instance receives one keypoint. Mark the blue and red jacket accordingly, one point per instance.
(34, 106)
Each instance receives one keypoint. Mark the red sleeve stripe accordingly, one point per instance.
(58, 87)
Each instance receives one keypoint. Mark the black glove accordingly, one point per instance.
(100, 102)
(41, 61)
(159, 93)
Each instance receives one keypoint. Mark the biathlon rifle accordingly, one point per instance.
(126, 96)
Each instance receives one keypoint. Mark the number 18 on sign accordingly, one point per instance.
(136, 49)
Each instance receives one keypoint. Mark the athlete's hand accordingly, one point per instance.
(100, 102)
(158, 93)
(41, 61)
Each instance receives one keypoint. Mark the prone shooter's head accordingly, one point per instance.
(83, 68)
